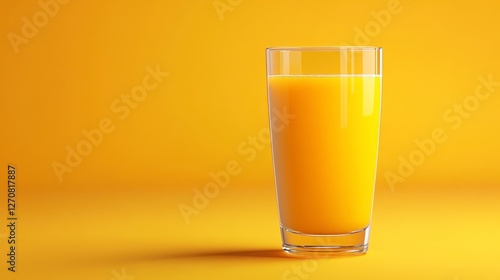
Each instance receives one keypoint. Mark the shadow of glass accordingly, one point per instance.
(260, 254)
(233, 254)
(207, 255)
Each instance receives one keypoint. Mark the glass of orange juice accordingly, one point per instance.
(325, 155)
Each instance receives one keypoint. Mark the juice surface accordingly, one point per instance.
(325, 158)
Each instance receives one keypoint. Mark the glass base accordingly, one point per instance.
(315, 245)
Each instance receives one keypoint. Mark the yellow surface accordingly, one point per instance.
(93, 235)
(165, 102)
(325, 142)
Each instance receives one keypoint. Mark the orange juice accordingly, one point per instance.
(325, 158)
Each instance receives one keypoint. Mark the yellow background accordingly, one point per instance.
(119, 207)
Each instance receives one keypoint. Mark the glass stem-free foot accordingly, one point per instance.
(316, 245)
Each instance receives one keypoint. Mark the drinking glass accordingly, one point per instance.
(324, 111)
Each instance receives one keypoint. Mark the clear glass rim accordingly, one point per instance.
(324, 48)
